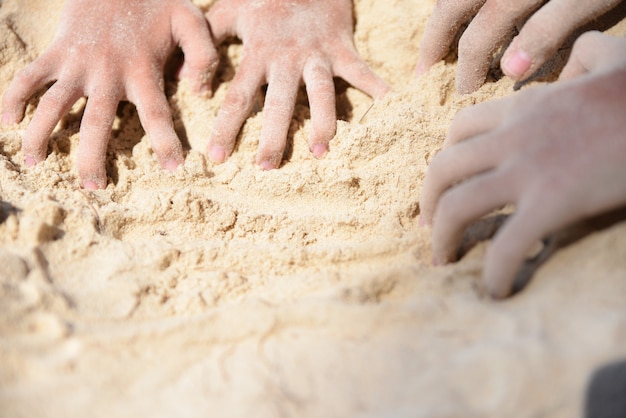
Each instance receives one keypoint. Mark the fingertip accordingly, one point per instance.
(217, 153)
(30, 161)
(10, 119)
(515, 64)
(172, 164)
(468, 84)
(267, 165)
(319, 150)
(6, 119)
(420, 69)
(497, 292)
(90, 185)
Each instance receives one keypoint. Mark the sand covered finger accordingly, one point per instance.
(235, 110)
(191, 32)
(320, 88)
(54, 104)
(441, 29)
(351, 67)
(95, 131)
(26, 82)
(455, 164)
(156, 118)
(278, 109)
(464, 204)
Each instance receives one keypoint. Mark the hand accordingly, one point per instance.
(109, 51)
(285, 42)
(557, 152)
(492, 22)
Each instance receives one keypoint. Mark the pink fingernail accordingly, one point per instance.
(419, 69)
(516, 64)
(217, 154)
(90, 185)
(30, 161)
(267, 165)
(435, 261)
(171, 165)
(421, 221)
(6, 119)
(319, 150)
(205, 90)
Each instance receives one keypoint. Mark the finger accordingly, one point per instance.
(280, 101)
(441, 29)
(156, 119)
(511, 245)
(222, 19)
(235, 109)
(95, 131)
(463, 204)
(23, 86)
(355, 71)
(320, 88)
(591, 50)
(455, 164)
(54, 104)
(545, 32)
(487, 32)
(475, 120)
(191, 31)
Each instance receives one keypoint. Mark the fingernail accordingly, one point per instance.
(421, 221)
(217, 153)
(90, 185)
(30, 161)
(319, 150)
(435, 261)
(171, 165)
(267, 165)
(516, 64)
(419, 68)
(205, 90)
(6, 119)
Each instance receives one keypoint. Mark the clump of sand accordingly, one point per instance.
(303, 291)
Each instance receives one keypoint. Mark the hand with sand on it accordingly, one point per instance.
(111, 50)
(556, 152)
(547, 26)
(286, 42)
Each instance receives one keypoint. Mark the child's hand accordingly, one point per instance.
(557, 152)
(492, 21)
(286, 42)
(111, 50)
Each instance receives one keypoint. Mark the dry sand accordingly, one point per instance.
(223, 290)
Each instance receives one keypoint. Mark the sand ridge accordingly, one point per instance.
(303, 291)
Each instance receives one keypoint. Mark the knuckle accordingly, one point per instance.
(236, 101)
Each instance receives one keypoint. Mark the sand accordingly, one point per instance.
(223, 290)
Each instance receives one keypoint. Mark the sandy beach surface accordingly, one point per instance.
(308, 291)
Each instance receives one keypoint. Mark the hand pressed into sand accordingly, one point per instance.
(547, 26)
(109, 51)
(557, 153)
(285, 43)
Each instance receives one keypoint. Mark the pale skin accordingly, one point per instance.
(109, 51)
(285, 44)
(544, 28)
(557, 153)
